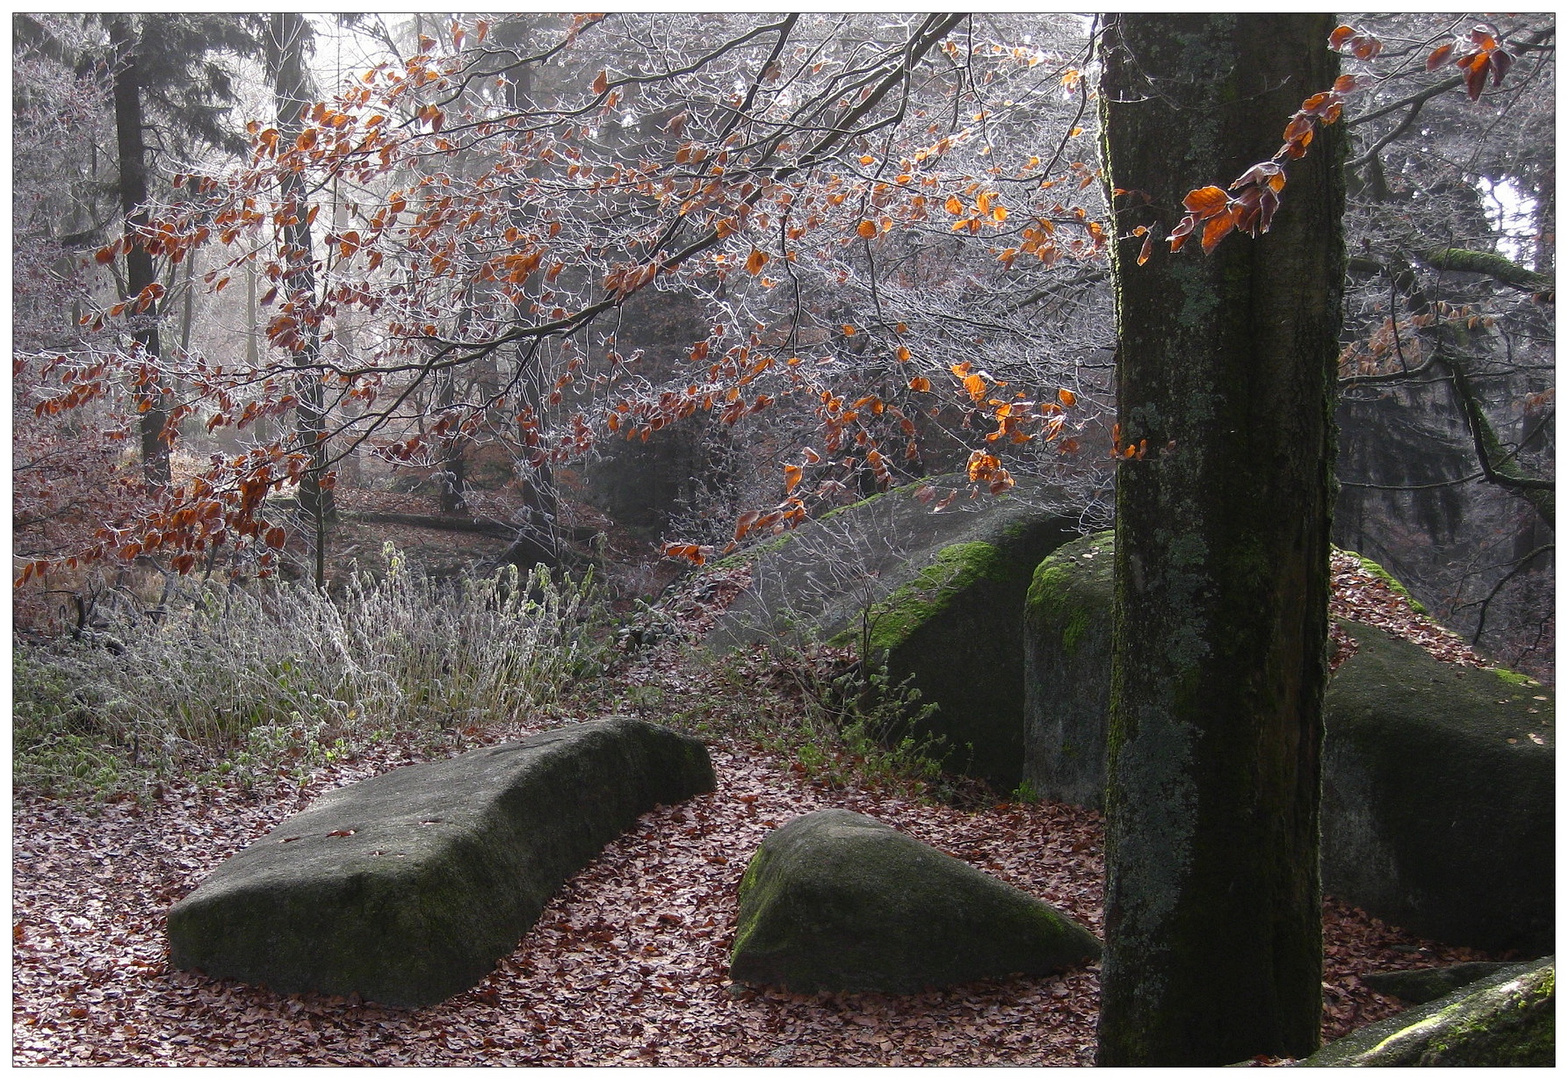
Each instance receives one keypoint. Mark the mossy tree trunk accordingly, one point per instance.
(1213, 919)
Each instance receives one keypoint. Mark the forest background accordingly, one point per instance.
(611, 289)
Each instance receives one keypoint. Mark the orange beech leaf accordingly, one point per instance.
(601, 82)
(867, 229)
(792, 475)
(920, 384)
(1265, 172)
(756, 261)
(1146, 250)
(1439, 56)
(1179, 235)
(690, 552)
(1066, 397)
(975, 385)
(1216, 229)
(849, 330)
(903, 354)
(1366, 47)
(1206, 202)
(1341, 35)
(953, 205)
(275, 537)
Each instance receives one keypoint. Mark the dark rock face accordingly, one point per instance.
(839, 901)
(1437, 801)
(938, 594)
(406, 888)
(1067, 671)
(1438, 780)
(1507, 1019)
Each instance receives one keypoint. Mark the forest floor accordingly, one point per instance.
(629, 962)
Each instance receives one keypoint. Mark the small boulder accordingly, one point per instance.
(407, 888)
(1507, 1019)
(1421, 985)
(839, 901)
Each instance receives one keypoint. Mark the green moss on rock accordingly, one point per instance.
(1386, 578)
(1067, 656)
(1505, 1020)
(915, 603)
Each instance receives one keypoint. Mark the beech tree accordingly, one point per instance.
(1225, 388)
(723, 157)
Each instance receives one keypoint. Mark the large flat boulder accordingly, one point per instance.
(839, 901)
(1438, 779)
(933, 586)
(1507, 1019)
(406, 888)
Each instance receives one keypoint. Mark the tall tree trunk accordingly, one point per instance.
(286, 49)
(132, 146)
(541, 499)
(1213, 911)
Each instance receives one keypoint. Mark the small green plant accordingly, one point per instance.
(855, 724)
(1026, 792)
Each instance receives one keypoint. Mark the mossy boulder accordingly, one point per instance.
(1421, 985)
(938, 594)
(406, 888)
(839, 901)
(1067, 671)
(1508, 1019)
(1438, 780)
(1439, 787)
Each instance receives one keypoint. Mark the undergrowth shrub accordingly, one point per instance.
(281, 671)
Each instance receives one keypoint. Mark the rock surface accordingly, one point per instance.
(1507, 1019)
(939, 594)
(1067, 671)
(406, 888)
(1438, 796)
(1421, 985)
(839, 901)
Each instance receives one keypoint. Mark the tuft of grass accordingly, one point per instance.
(283, 675)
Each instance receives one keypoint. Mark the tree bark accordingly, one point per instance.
(1213, 910)
(130, 141)
(286, 54)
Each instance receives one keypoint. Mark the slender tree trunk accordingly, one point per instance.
(132, 146)
(290, 92)
(542, 501)
(1213, 911)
